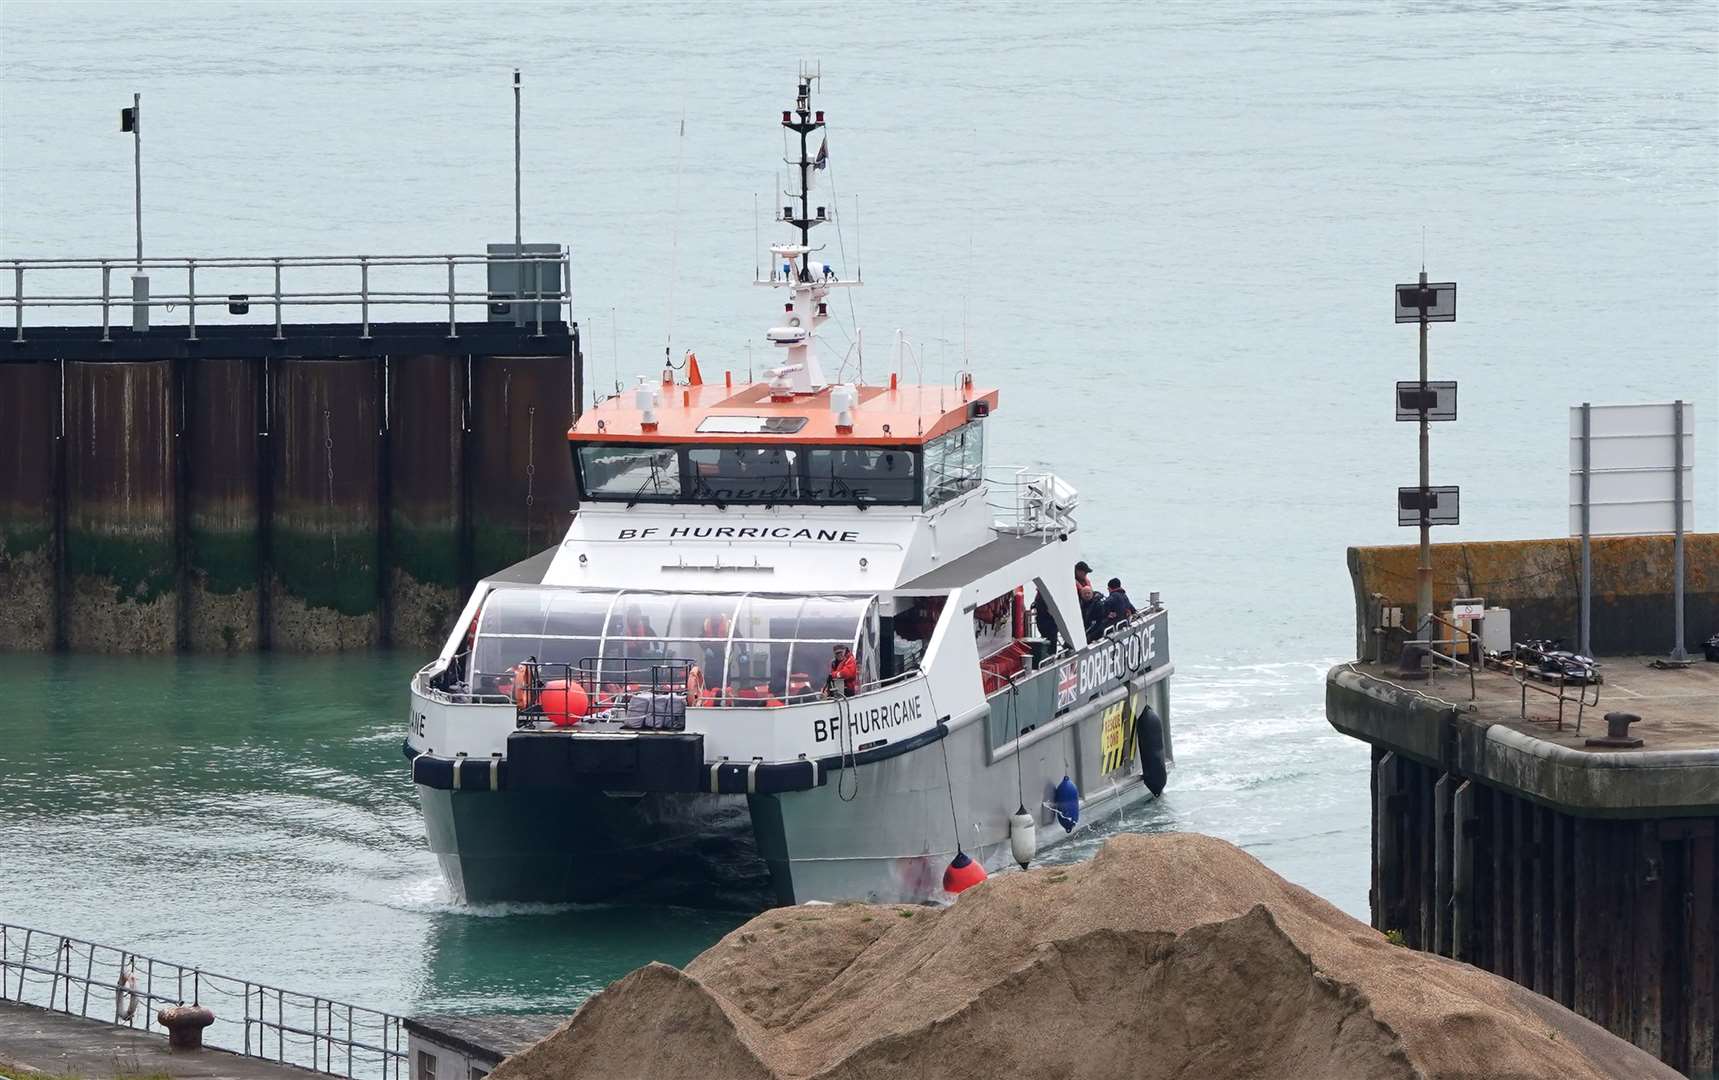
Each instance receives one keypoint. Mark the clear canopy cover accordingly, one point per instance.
(745, 645)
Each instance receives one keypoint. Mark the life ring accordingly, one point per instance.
(1149, 731)
(125, 993)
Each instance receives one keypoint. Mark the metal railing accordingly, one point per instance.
(1471, 642)
(611, 682)
(328, 283)
(1545, 672)
(1030, 500)
(98, 982)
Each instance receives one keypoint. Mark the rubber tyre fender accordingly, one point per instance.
(1149, 732)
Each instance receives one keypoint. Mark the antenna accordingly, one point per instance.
(757, 245)
(518, 233)
(964, 291)
(674, 242)
(614, 350)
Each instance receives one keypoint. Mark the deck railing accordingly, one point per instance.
(320, 281)
(99, 982)
(1555, 670)
(1460, 635)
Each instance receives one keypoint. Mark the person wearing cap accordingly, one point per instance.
(1082, 577)
(1117, 607)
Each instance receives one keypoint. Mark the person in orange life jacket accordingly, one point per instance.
(1082, 577)
(1117, 607)
(844, 673)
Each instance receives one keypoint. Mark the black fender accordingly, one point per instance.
(1149, 733)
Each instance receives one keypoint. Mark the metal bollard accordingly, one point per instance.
(185, 1024)
(1617, 731)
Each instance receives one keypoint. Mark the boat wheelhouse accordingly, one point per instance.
(799, 641)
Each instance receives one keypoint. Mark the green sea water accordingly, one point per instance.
(254, 816)
(1166, 232)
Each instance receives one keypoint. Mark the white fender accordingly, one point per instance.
(1023, 837)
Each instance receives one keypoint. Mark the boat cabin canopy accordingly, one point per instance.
(745, 645)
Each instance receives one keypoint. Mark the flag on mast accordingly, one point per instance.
(821, 161)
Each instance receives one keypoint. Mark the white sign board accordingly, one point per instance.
(1632, 469)
(1468, 608)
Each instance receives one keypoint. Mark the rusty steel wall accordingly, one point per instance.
(29, 467)
(1615, 919)
(121, 562)
(324, 542)
(264, 498)
(426, 448)
(520, 472)
(221, 519)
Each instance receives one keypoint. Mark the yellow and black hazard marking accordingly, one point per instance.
(1114, 739)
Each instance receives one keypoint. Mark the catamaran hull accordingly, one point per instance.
(588, 846)
(881, 831)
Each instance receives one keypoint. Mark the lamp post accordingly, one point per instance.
(132, 120)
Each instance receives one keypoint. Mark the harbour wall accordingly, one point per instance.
(1540, 581)
(1607, 912)
(324, 491)
(1588, 875)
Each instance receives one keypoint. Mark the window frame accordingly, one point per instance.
(803, 479)
(969, 464)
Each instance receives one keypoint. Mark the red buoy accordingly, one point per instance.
(563, 701)
(963, 873)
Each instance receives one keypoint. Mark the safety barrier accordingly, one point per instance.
(1555, 671)
(327, 284)
(98, 982)
(1471, 642)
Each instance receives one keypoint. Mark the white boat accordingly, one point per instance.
(656, 709)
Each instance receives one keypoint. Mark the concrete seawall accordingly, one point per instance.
(325, 491)
(1540, 582)
(1503, 837)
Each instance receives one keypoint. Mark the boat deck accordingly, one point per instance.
(1679, 708)
(37, 1040)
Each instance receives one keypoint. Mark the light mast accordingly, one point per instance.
(791, 266)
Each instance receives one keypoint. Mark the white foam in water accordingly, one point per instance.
(430, 895)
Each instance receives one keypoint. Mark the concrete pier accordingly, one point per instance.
(1501, 837)
(336, 487)
(59, 1045)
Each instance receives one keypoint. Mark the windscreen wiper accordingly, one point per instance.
(858, 500)
(699, 483)
(654, 478)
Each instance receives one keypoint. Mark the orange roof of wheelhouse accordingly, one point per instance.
(884, 415)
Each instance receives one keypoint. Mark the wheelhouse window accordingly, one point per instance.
(954, 463)
(629, 472)
(864, 474)
(761, 474)
(743, 473)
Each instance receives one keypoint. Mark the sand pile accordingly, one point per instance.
(1165, 956)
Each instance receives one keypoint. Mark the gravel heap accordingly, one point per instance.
(1171, 955)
